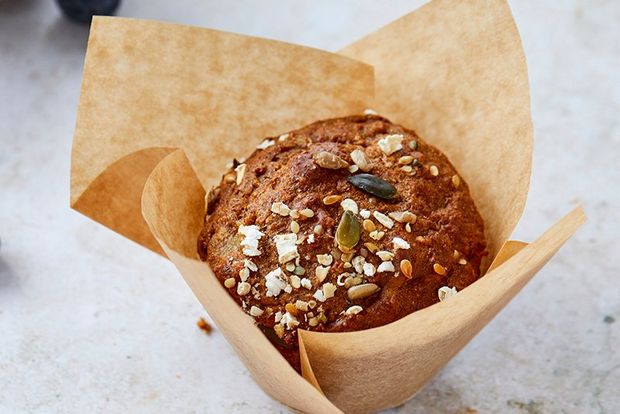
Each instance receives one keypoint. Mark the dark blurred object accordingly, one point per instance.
(82, 11)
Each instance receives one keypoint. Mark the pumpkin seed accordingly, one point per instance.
(374, 185)
(328, 160)
(362, 291)
(348, 231)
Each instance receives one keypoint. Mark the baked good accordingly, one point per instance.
(342, 225)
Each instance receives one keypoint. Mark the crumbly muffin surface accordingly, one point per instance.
(345, 224)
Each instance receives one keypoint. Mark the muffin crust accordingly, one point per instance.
(306, 232)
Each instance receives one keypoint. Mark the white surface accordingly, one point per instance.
(90, 322)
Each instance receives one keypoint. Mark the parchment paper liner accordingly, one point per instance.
(454, 71)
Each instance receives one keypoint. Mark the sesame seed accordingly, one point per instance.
(256, 311)
(294, 226)
(283, 137)
(318, 229)
(434, 170)
(353, 168)
(230, 282)
(462, 261)
(306, 212)
(406, 159)
(456, 181)
(365, 213)
(407, 168)
(439, 269)
(369, 111)
(413, 144)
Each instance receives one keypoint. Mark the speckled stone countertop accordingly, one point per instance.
(90, 322)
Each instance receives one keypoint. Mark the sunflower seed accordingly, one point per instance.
(328, 160)
(362, 291)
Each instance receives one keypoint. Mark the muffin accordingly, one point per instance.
(343, 225)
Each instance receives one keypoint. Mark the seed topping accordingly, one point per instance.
(383, 219)
(280, 208)
(360, 159)
(439, 269)
(331, 199)
(446, 292)
(348, 204)
(348, 231)
(373, 185)
(406, 268)
(328, 160)
(391, 143)
(362, 291)
(240, 170)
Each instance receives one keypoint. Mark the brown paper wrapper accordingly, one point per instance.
(164, 108)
